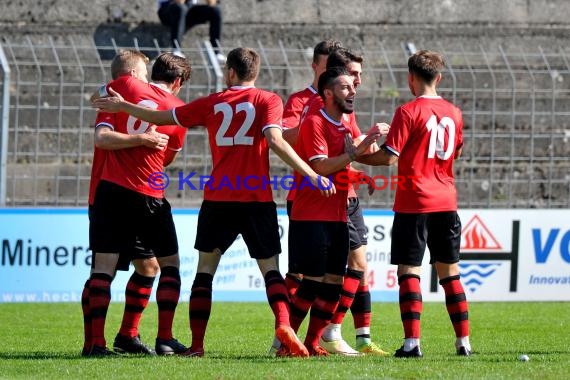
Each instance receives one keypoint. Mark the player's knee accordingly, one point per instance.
(146, 267)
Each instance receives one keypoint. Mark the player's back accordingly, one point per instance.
(236, 120)
(132, 168)
(429, 133)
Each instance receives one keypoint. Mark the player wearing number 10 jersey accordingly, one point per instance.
(425, 137)
(243, 123)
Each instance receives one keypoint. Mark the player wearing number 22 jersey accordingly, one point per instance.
(243, 123)
(236, 119)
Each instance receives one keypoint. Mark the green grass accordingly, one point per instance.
(44, 340)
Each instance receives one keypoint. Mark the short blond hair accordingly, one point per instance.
(125, 61)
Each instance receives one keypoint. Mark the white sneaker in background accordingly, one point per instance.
(338, 347)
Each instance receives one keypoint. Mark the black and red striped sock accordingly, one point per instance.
(167, 296)
(200, 308)
(302, 302)
(322, 311)
(87, 340)
(410, 304)
(292, 283)
(456, 304)
(278, 297)
(361, 309)
(99, 299)
(348, 292)
(137, 295)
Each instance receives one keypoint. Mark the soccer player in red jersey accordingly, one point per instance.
(126, 208)
(295, 108)
(319, 229)
(243, 123)
(355, 285)
(426, 135)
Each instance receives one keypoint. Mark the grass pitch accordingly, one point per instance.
(44, 341)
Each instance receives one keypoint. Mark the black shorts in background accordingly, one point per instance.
(440, 231)
(219, 224)
(319, 247)
(120, 216)
(138, 251)
(293, 265)
(357, 232)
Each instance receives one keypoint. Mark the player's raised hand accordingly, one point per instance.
(381, 128)
(110, 104)
(356, 151)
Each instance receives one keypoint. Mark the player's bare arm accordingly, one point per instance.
(379, 158)
(106, 138)
(116, 103)
(278, 145)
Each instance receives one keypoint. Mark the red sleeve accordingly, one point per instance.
(105, 119)
(271, 112)
(399, 131)
(176, 139)
(311, 134)
(193, 114)
(292, 112)
(459, 131)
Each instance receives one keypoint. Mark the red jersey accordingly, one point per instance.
(99, 155)
(296, 107)
(321, 137)
(425, 134)
(131, 168)
(236, 119)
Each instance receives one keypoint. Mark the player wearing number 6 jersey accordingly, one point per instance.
(243, 123)
(127, 209)
(425, 137)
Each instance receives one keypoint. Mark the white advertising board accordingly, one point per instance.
(507, 255)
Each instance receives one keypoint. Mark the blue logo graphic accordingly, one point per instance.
(158, 181)
(473, 275)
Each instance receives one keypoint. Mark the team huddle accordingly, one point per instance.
(140, 128)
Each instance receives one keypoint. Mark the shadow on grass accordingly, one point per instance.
(44, 355)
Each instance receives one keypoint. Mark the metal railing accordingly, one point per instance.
(515, 105)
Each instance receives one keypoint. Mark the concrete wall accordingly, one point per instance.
(333, 12)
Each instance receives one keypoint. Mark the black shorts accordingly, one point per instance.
(441, 231)
(121, 216)
(357, 231)
(125, 258)
(319, 247)
(219, 224)
(292, 258)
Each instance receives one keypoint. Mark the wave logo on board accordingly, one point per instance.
(473, 275)
(476, 236)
